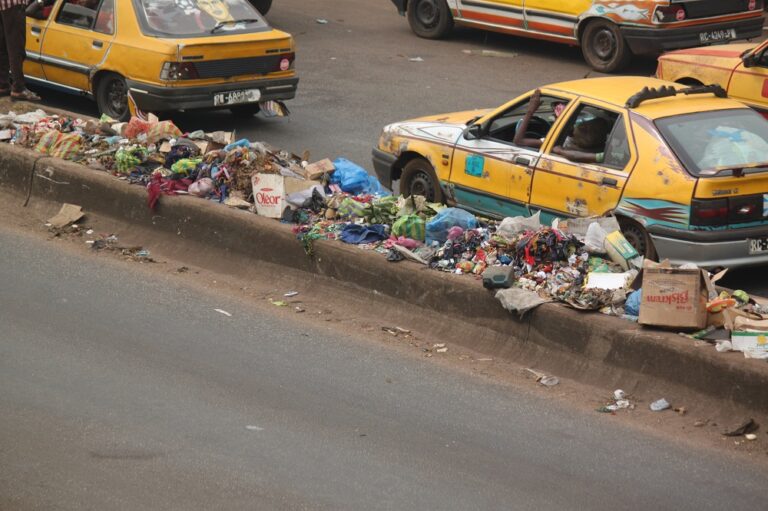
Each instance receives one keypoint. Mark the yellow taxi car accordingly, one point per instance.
(741, 69)
(684, 169)
(608, 31)
(162, 54)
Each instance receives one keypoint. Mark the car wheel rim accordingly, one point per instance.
(117, 98)
(636, 238)
(422, 184)
(427, 13)
(604, 44)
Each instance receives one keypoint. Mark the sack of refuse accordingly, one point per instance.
(511, 227)
(354, 179)
(594, 241)
(437, 228)
(409, 226)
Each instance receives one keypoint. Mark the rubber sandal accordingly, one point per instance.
(26, 95)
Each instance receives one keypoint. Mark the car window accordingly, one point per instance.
(617, 153)
(197, 18)
(78, 13)
(105, 19)
(504, 126)
(585, 136)
(717, 140)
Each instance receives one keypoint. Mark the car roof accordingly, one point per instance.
(616, 90)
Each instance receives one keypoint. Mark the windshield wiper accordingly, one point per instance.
(737, 171)
(222, 24)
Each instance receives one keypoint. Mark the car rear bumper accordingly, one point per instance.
(383, 164)
(653, 41)
(153, 98)
(709, 249)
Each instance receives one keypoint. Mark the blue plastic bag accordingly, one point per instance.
(437, 228)
(632, 306)
(243, 142)
(354, 179)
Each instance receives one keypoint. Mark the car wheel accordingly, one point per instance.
(112, 97)
(430, 19)
(245, 111)
(604, 48)
(262, 5)
(419, 179)
(638, 237)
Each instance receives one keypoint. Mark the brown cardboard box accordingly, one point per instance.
(317, 169)
(673, 297)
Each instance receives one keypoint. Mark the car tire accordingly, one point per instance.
(245, 111)
(638, 237)
(430, 19)
(604, 48)
(112, 97)
(262, 6)
(419, 178)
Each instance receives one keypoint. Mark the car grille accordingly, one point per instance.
(226, 68)
(708, 8)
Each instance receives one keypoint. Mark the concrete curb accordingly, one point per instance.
(594, 345)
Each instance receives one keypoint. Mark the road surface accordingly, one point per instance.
(123, 390)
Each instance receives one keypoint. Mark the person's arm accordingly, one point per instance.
(522, 126)
(579, 156)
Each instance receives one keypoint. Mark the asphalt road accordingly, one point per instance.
(123, 390)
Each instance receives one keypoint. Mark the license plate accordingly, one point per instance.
(714, 36)
(236, 97)
(758, 246)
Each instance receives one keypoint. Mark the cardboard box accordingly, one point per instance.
(673, 297)
(318, 169)
(270, 192)
(619, 249)
(750, 341)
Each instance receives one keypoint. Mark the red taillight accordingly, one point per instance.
(286, 62)
(669, 14)
(733, 210)
(709, 212)
(179, 71)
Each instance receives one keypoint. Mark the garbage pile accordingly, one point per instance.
(585, 263)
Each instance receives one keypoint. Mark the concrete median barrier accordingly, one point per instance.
(587, 347)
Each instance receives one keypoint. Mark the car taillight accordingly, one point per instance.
(286, 62)
(172, 71)
(734, 210)
(669, 14)
(709, 212)
(755, 4)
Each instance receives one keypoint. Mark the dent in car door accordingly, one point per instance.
(570, 188)
(72, 48)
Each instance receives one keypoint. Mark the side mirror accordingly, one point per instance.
(473, 132)
(749, 60)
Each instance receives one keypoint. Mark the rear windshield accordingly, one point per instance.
(197, 18)
(717, 140)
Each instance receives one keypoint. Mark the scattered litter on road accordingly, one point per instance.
(660, 405)
(299, 309)
(291, 294)
(619, 394)
(416, 59)
(748, 426)
(321, 21)
(751, 437)
(278, 303)
(490, 53)
(68, 214)
(542, 378)
(89, 232)
(700, 423)
(681, 410)
(484, 359)
(222, 311)
(254, 428)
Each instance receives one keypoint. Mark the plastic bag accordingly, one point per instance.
(410, 226)
(136, 127)
(350, 177)
(632, 306)
(594, 241)
(510, 227)
(437, 228)
(163, 130)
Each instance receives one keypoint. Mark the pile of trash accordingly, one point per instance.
(584, 262)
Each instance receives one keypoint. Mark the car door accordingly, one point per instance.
(750, 84)
(500, 12)
(565, 187)
(75, 44)
(554, 17)
(35, 32)
(489, 173)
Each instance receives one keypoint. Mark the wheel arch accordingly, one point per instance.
(584, 22)
(97, 76)
(404, 159)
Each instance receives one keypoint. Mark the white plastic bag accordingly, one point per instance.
(594, 241)
(510, 227)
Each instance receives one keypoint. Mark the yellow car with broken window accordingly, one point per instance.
(160, 55)
(684, 169)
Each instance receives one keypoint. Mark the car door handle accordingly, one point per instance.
(98, 44)
(609, 181)
(34, 30)
(523, 160)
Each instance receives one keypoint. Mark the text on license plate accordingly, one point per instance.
(236, 97)
(758, 245)
(717, 35)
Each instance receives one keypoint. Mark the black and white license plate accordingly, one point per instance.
(758, 246)
(236, 97)
(714, 36)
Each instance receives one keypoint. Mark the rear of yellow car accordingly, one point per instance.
(202, 55)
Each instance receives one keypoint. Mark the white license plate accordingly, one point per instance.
(714, 36)
(236, 97)
(758, 246)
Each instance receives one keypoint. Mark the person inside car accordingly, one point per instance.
(586, 144)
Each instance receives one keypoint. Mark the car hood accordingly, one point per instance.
(455, 118)
(441, 129)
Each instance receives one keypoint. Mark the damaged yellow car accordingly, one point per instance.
(160, 54)
(684, 169)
